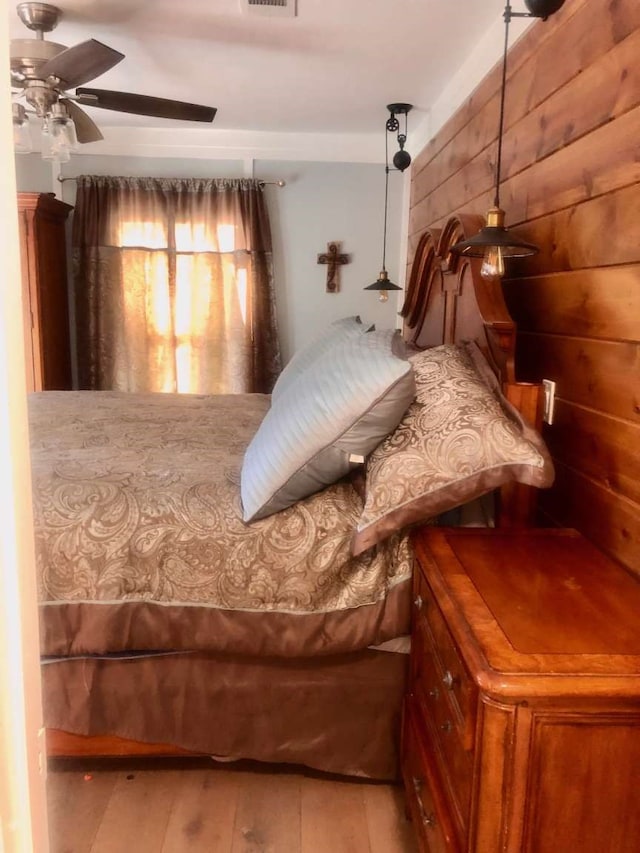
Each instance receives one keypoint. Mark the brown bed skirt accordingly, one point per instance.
(338, 714)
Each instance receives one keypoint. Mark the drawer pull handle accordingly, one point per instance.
(449, 680)
(418, 602)
(434, 692)
(427, 819)
(446, 726)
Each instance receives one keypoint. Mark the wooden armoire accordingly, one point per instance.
(43, 256)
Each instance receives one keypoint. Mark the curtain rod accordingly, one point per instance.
(62, 180)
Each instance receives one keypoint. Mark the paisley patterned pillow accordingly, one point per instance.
(458, 440)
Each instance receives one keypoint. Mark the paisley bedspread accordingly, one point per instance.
(140, 543)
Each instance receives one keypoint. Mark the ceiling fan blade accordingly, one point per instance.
(81, 63)
(144, 105)
(86, 129)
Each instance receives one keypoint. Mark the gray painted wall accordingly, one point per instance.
(33, 174)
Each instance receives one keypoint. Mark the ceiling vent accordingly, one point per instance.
(273, 8)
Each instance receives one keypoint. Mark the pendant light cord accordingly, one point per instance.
(507, 19)
(386, 197)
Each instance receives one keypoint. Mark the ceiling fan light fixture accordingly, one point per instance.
(58, 135)
(52, 151)
(22, 139)
(40, 17)
(45, 71)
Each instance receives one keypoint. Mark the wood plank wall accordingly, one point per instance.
(571, 184)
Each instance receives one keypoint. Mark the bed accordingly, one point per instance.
(172, 624)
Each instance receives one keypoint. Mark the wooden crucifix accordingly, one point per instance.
(334, 260)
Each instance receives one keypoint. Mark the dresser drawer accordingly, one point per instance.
(426, 673)
(442, 719)
(427, 804)
(454, 683)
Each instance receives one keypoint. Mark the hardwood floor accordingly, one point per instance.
(173, 807)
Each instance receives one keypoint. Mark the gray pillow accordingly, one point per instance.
(334, 333)
(327, 421)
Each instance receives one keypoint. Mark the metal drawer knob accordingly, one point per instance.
(427, 819)
(446, 726)
(434, 692)
(418, 602)
(449, 680)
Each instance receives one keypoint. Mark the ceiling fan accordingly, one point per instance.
(43, 72)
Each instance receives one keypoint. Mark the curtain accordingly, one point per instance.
(173, 283)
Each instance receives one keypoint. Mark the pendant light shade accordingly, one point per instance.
(383, 284)
(494, 243)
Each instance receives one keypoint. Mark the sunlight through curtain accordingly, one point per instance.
(173, 283)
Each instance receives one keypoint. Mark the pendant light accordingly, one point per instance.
(494, 243)
(401, 161)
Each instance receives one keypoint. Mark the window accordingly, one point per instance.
(181, 293)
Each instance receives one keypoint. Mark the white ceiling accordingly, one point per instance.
(332, 69)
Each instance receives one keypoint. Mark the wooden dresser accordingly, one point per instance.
(521, 730)
(43, 257)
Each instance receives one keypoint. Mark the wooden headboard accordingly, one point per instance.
(447, 301)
